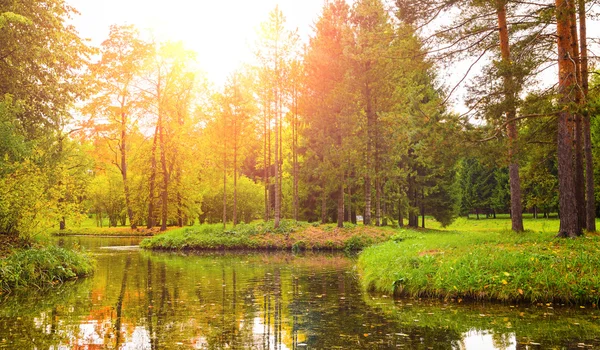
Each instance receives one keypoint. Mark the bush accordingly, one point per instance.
(42, 267)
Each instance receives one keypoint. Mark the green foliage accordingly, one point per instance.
(249, 201)
(476, 183)
(11, 17)
(356, 243)
(23, 209)
(42, 267)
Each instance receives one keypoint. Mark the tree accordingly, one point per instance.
(328, 114)
(275, 47)
(118, 101)
(40, 60)
(567, 84)
(168, 87)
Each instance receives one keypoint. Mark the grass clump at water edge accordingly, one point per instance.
(290, 235)
(42, 267)
(529, 267)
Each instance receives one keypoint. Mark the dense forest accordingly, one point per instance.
(353, 124)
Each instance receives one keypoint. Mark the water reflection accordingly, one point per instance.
(143, 300)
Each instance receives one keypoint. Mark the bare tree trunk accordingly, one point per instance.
(587, 139)
(566, 83)
(511, 127)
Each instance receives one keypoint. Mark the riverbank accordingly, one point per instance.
(532, 267)
(289, 236)
(27, 265)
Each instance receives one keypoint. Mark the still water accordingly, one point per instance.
(146, 300)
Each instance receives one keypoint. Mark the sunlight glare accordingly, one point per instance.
(223, 33)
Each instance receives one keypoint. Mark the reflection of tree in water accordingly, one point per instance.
(333, 316)
(164, 301)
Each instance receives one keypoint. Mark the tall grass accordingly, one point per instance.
(42, 267)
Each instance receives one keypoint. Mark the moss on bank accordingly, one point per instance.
(289, 236)
(500, 266)
(42, 267)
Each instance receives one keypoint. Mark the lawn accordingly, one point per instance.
(484, 260)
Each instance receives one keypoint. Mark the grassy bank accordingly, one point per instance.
(41, 267)
(106, 231)
(289, 236)
(486, 264)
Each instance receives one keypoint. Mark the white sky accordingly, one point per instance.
(221, 32)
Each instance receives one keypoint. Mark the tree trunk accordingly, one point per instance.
(323, 207)
(377, 198)
(367, 215)
(235, 145)
(369, 111)
(566, 82)
(400, 213)
(152, 181)
(235, 220)
(578, 141)
(266, 151)
(383, 209)
(340, 204)
(348, 205)
(123, 149)
(277, 179)
(165, 182)
(295, 153)
(422, 208)
(587, 140)
(511, 127)
(224, 172)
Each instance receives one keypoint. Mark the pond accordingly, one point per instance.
(147, 300)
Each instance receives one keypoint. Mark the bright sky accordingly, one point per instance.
(221, 32)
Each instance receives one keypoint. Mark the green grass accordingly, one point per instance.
(483, 260)
(289, 235)
(202, 237)
(502, 223)
(42, 267)
(103, 231)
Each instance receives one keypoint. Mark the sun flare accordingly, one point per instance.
(221, 32)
